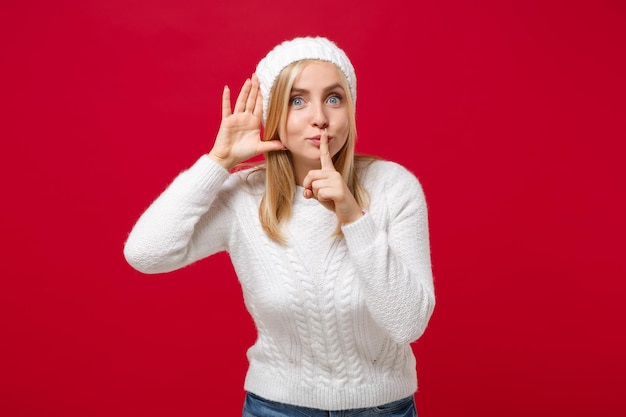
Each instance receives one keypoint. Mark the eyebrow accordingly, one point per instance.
(329, 88)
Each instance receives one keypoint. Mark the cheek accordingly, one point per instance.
(343, 130)
(341, 120)
(294, 122)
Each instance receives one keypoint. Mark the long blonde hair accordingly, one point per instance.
(280, 185)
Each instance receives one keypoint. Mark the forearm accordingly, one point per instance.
(165, 237)
(397, 281)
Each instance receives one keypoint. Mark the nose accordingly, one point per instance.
(319, 118)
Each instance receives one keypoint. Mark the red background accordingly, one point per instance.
(511, 113)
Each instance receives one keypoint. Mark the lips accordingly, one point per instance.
(316, 139)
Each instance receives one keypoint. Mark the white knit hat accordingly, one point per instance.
(299, 49)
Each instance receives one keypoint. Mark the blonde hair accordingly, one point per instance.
(280, 185)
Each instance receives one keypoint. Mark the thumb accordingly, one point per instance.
(271, 145)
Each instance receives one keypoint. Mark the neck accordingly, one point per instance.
(301, 170)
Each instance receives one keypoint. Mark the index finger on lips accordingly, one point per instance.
(325, 158)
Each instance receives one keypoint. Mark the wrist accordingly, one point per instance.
(227, 163)
(354, 217)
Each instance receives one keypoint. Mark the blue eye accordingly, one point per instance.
(334, 99)
(297, 101)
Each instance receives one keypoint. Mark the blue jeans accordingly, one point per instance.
(256, 406)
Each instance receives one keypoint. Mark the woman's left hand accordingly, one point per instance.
(327, 186)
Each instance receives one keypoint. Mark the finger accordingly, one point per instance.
(254, 90)
(307, 182)
(258, 107)
(271, 145)
(240, 104)
(325, 158)
(226, 111)
(311, 176)
(314, 180)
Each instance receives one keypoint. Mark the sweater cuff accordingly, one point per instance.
(360, 233)
(208, 173)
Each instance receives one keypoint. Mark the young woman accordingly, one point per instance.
(331, 249)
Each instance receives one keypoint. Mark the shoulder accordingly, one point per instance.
(380, 174)
(392, 189)
(249, 180)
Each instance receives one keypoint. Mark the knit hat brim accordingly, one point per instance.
(299, 49)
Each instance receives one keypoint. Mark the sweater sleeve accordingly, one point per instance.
(392, 256)
(187, 222)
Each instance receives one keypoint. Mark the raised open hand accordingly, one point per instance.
(327, 186)
(239, 135)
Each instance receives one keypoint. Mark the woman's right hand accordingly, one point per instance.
(239, 136)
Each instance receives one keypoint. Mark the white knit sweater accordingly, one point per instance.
(334, 316)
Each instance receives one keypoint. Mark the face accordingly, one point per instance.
(317, 101)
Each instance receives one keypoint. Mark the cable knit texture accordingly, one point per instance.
(335, 316)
